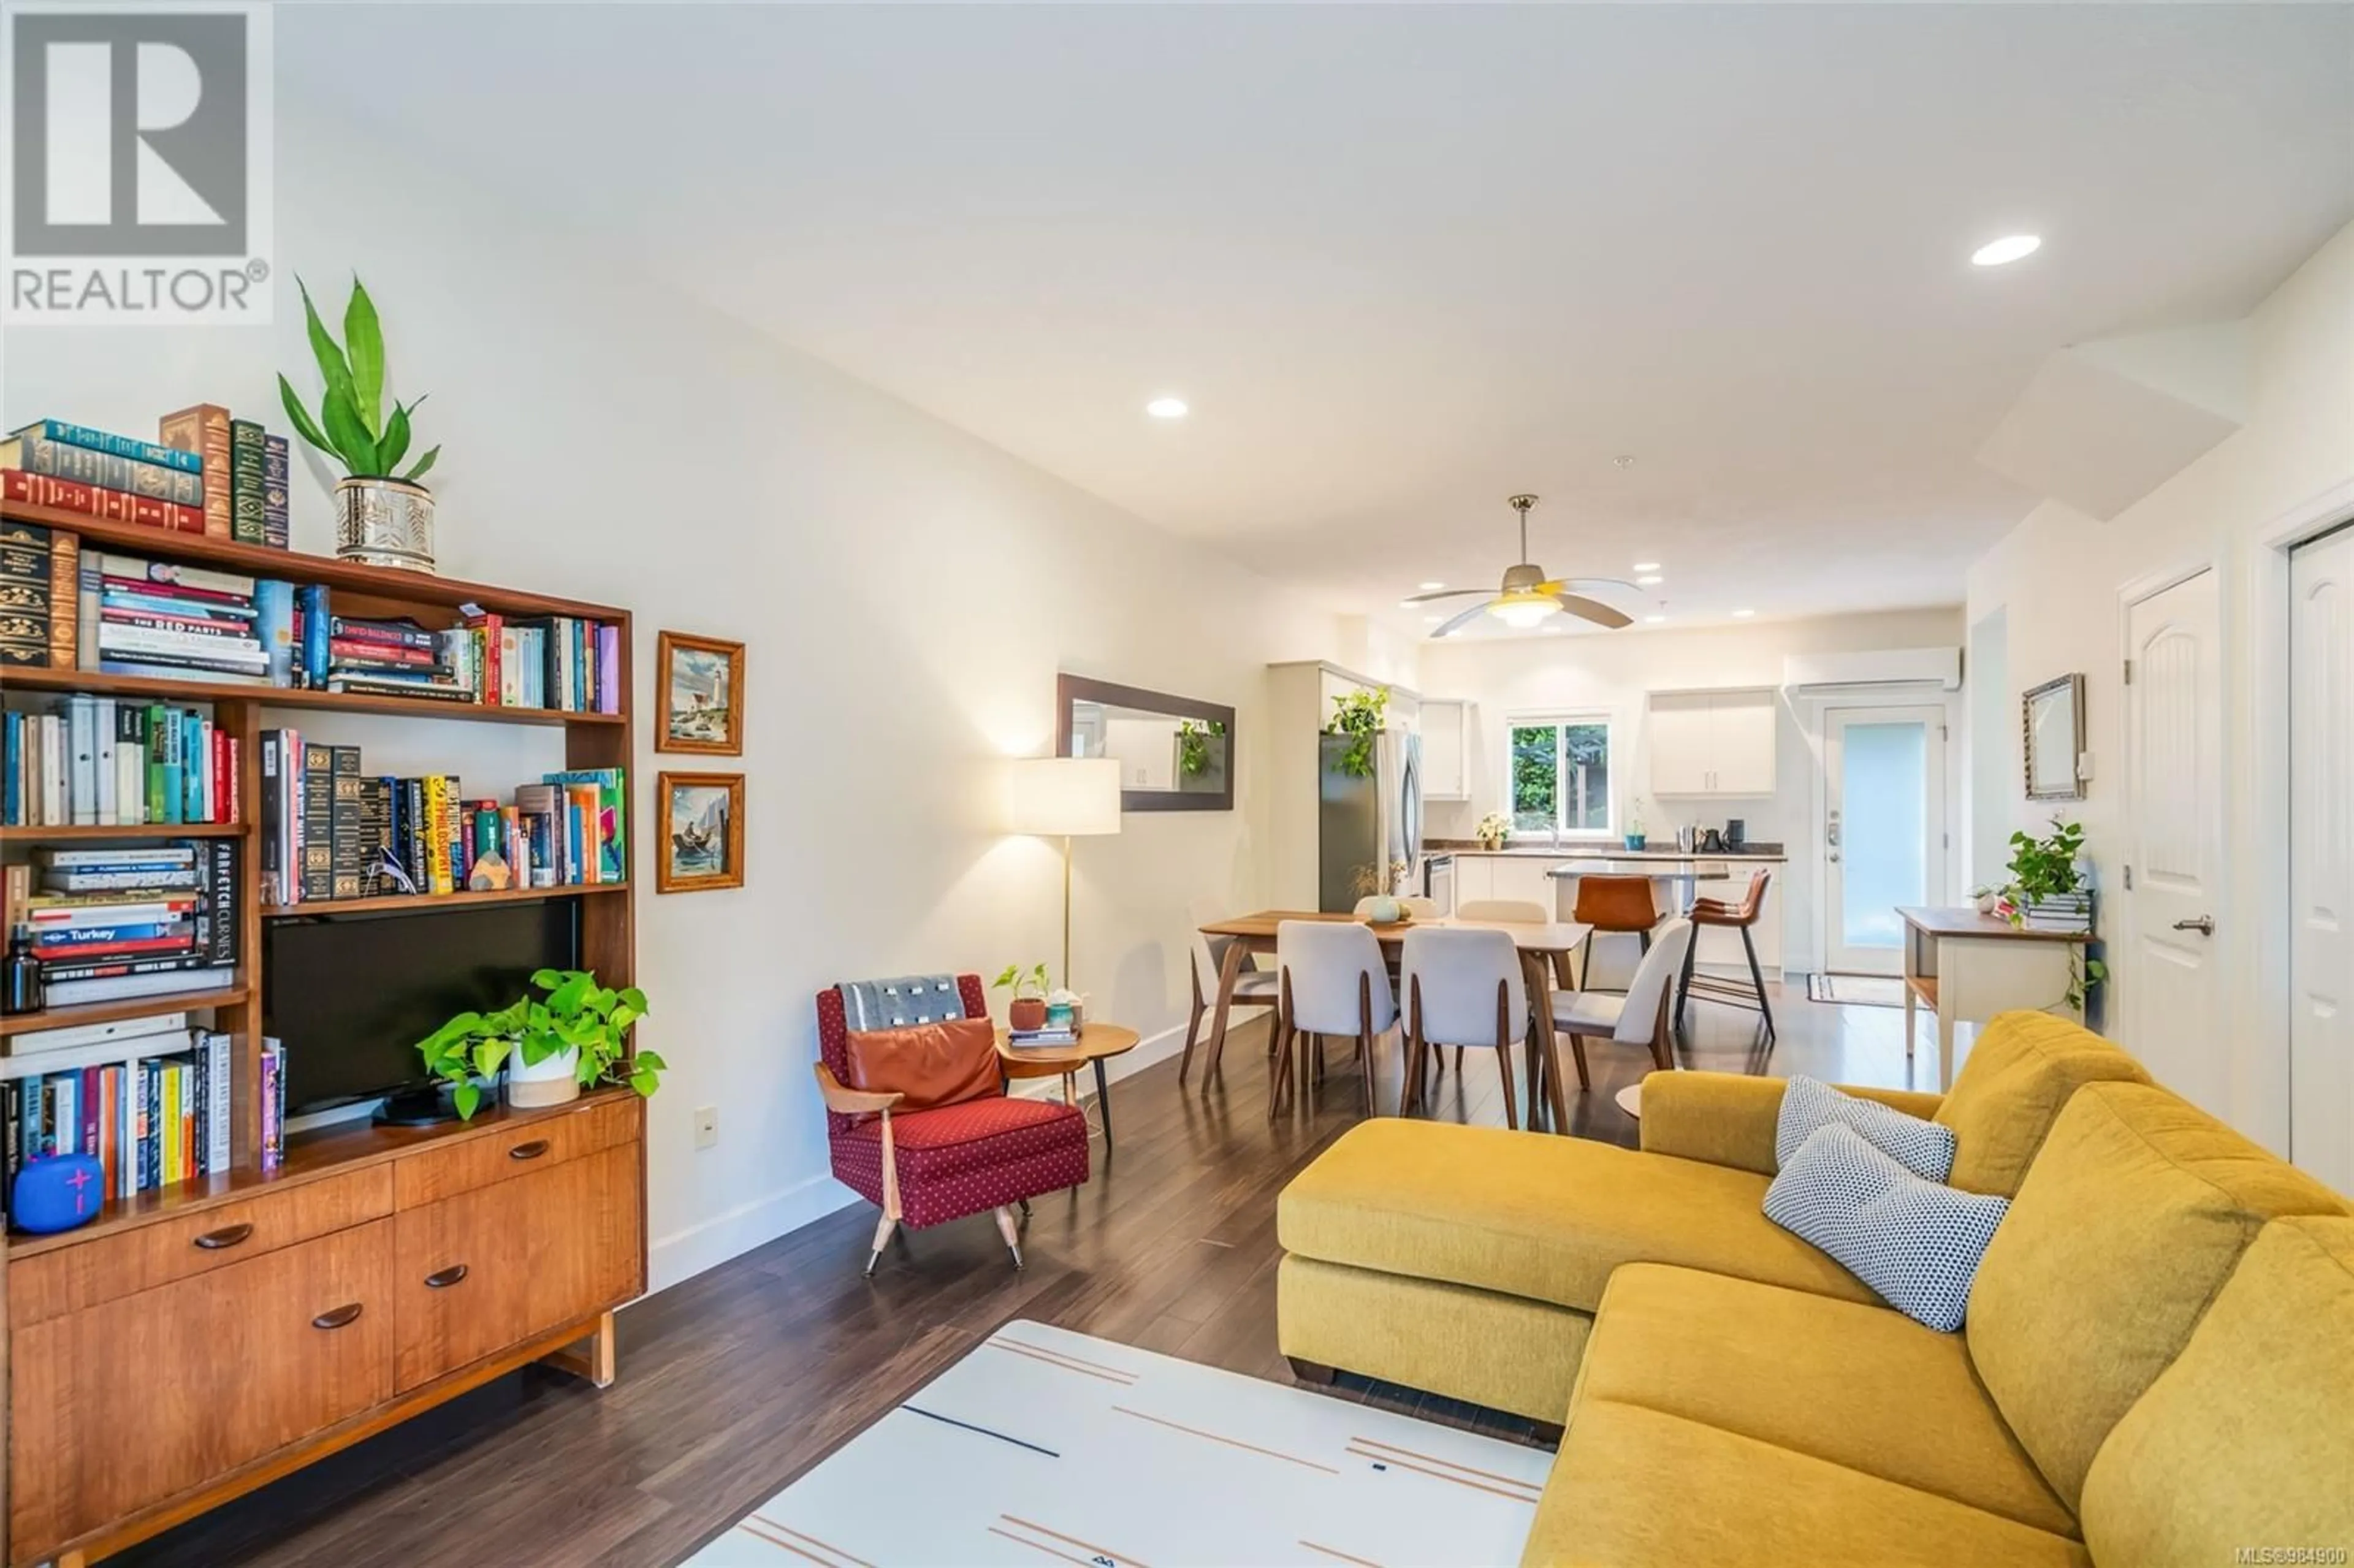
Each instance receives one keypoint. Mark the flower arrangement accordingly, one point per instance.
(1491, 830)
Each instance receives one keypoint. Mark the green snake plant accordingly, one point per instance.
(351, 428)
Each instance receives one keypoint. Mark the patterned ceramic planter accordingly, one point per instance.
(385, 523)
(548, 1083)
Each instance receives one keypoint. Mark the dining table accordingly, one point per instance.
(1545, 948)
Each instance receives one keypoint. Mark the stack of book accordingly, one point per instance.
(123, 921)
(109, 762)
(1041, 1038)
(161, 619)
(556, 662)
(375, 658)
(41, 577)
(332, 830)
(2058, 912)
(156, 1105)
(118, 478)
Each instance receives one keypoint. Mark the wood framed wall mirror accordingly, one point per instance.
(1174, 754)
(2053, 717)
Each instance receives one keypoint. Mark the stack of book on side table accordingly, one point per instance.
(1046, 1037)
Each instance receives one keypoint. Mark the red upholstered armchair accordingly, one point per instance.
(925, 1166)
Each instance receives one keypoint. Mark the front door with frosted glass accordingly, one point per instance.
(1883, 830)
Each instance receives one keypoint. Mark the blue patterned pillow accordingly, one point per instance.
(1915, 1243)
(1923, 1147)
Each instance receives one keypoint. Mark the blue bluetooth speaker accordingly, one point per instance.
(57, 1193)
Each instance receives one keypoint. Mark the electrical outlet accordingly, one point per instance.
(706, 1126)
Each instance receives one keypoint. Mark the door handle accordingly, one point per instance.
(2204, 925)
(227, 1236)
(338, 1318)
(442, 1279)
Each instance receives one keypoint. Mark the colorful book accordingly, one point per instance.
(107, 470)
(105, 442)
(107, 505)
(204, 431)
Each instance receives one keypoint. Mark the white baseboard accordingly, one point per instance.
(685, 1254)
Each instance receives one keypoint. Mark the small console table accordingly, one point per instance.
(1965, 967)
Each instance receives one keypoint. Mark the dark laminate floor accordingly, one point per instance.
(737, 1380)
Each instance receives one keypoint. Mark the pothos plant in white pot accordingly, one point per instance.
(551, 1047)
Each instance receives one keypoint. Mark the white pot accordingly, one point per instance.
(385, 523)
(550, 1082)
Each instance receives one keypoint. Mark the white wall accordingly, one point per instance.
(2058, 580)
(907, 594)
(1612, 673)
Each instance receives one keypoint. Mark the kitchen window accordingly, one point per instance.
(1560, 773)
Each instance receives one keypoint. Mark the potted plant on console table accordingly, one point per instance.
(551, 1047)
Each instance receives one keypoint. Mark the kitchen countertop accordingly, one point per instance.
(1758, 854)
(1705, 868)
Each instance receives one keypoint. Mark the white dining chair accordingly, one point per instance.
(1332, 980)
(1254, 987)
(1462, 988)
(1504, 911)
(1637, 1017)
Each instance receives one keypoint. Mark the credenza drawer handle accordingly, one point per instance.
(340, 1317)
(227, 1236)
(443, 1278)
(531, 1151)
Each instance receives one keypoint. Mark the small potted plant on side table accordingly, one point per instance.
(551, 1047)
(1027, 1009)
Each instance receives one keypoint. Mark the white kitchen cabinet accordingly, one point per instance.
(1475, 877)
(1712, 743)
(1523, 877)
(1446, 749)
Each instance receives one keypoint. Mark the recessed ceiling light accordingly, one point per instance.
(2008, 249)
(1647, 566)
(1743, 614)
(1431, 588)
(1166, 407)
(1649, 579)
(1653, 619)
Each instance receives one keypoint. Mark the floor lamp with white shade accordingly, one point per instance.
(1064, 798)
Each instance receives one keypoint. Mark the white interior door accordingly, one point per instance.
(2169, 991)
(1883, 830)
(2321, 859)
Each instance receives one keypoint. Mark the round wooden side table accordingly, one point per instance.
(1097, 1042)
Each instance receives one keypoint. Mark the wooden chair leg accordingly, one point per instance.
(1577, 1051)
(1511, 1110)
(1683, 981)
(882, 1229)
(1278, 1052)
(1458, 1061)
(1193, 1027)
(1012, 1234)
(1557, 1097)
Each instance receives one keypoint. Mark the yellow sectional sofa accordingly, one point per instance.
(2158, 1367)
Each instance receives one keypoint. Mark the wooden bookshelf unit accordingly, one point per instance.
(198, 1340)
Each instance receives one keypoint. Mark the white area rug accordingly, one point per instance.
(1044, 1446)
(1856, 991)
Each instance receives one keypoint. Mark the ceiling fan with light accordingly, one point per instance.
(1528, 596)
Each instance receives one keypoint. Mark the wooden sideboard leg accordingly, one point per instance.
(591, 1358)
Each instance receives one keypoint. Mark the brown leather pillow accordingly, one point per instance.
(931, 1063)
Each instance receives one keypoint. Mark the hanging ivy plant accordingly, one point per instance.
(1358, 715)
(1194, 745)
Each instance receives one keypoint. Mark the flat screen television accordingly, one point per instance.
(350, 995)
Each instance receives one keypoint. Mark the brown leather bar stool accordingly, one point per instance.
(1621, 905)
(1738, 917)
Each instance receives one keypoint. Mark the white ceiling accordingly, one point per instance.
(1404, 261)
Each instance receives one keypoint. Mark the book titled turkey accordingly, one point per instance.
(247, 441)
(34, 454)
(277, 481)
(107, 505)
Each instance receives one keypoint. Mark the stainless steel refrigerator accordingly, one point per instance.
(1368, 827)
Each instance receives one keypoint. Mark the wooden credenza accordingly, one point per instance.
(186, 1351)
